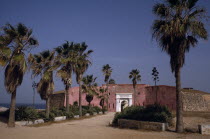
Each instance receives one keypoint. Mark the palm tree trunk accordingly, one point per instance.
(11, 122)
(134, 95)
(179, 111)
(80, 96)
(48, 107)
(107, 100)
(67, 98)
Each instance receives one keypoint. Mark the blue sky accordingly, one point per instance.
(119, 32)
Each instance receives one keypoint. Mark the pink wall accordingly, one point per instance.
(145, 95)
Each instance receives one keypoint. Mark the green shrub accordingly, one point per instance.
(152, 113)
(96, 109)
(75, 103)
(24, 113)
(58, 112)
(69, 115)
(5, 114)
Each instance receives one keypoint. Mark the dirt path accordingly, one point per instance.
(93, 128)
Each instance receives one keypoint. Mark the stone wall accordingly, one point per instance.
(57, 100)
(194, 102)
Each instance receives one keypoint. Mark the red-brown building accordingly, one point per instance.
(121, 95)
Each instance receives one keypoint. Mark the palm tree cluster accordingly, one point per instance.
(178, 27)
(17, 41)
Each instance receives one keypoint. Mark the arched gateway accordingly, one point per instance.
(123, 100)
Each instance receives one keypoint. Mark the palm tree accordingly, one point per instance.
(66, 59)
(43, 65)
(112, 81)
(89, 87)
(14, 42)
(136, 77)
(178, 27)
(107, 71)
(102, 96)
(82, 64)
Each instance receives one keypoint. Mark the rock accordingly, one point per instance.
(60, 118)
(38, 121)
(24, 123)
(204, 129)
(2, 109)
(76, 116)
(87, 114)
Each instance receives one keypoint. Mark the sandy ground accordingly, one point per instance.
(92, 128)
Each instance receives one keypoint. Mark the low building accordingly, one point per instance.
(121, 96)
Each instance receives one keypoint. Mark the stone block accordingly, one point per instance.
(95, 113)
(133, 124)
(38, 121)
(24, 123)
(76, 116)
(100, 112)
(87, 114)
(204, 129)
(60, 118)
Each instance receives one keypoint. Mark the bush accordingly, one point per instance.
(75, 103)
(69, 115)
(152, 113)
(24, 113)
(96, 109)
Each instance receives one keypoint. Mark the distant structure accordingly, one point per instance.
(121, 96)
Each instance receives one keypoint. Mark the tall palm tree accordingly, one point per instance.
(102, 96)
(66, 59)
(15, 41)
(107, 71)
(177, 29)
(42, 64)
(82, 64)
(89, 87)
(136, 77)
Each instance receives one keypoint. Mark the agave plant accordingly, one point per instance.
(15, 41)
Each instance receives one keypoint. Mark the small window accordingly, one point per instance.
(113, 105)
(109, 105)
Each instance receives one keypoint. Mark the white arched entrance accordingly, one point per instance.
(123, 100)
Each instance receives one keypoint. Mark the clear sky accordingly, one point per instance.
(119, 32)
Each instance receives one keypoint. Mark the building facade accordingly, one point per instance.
(121, 96)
